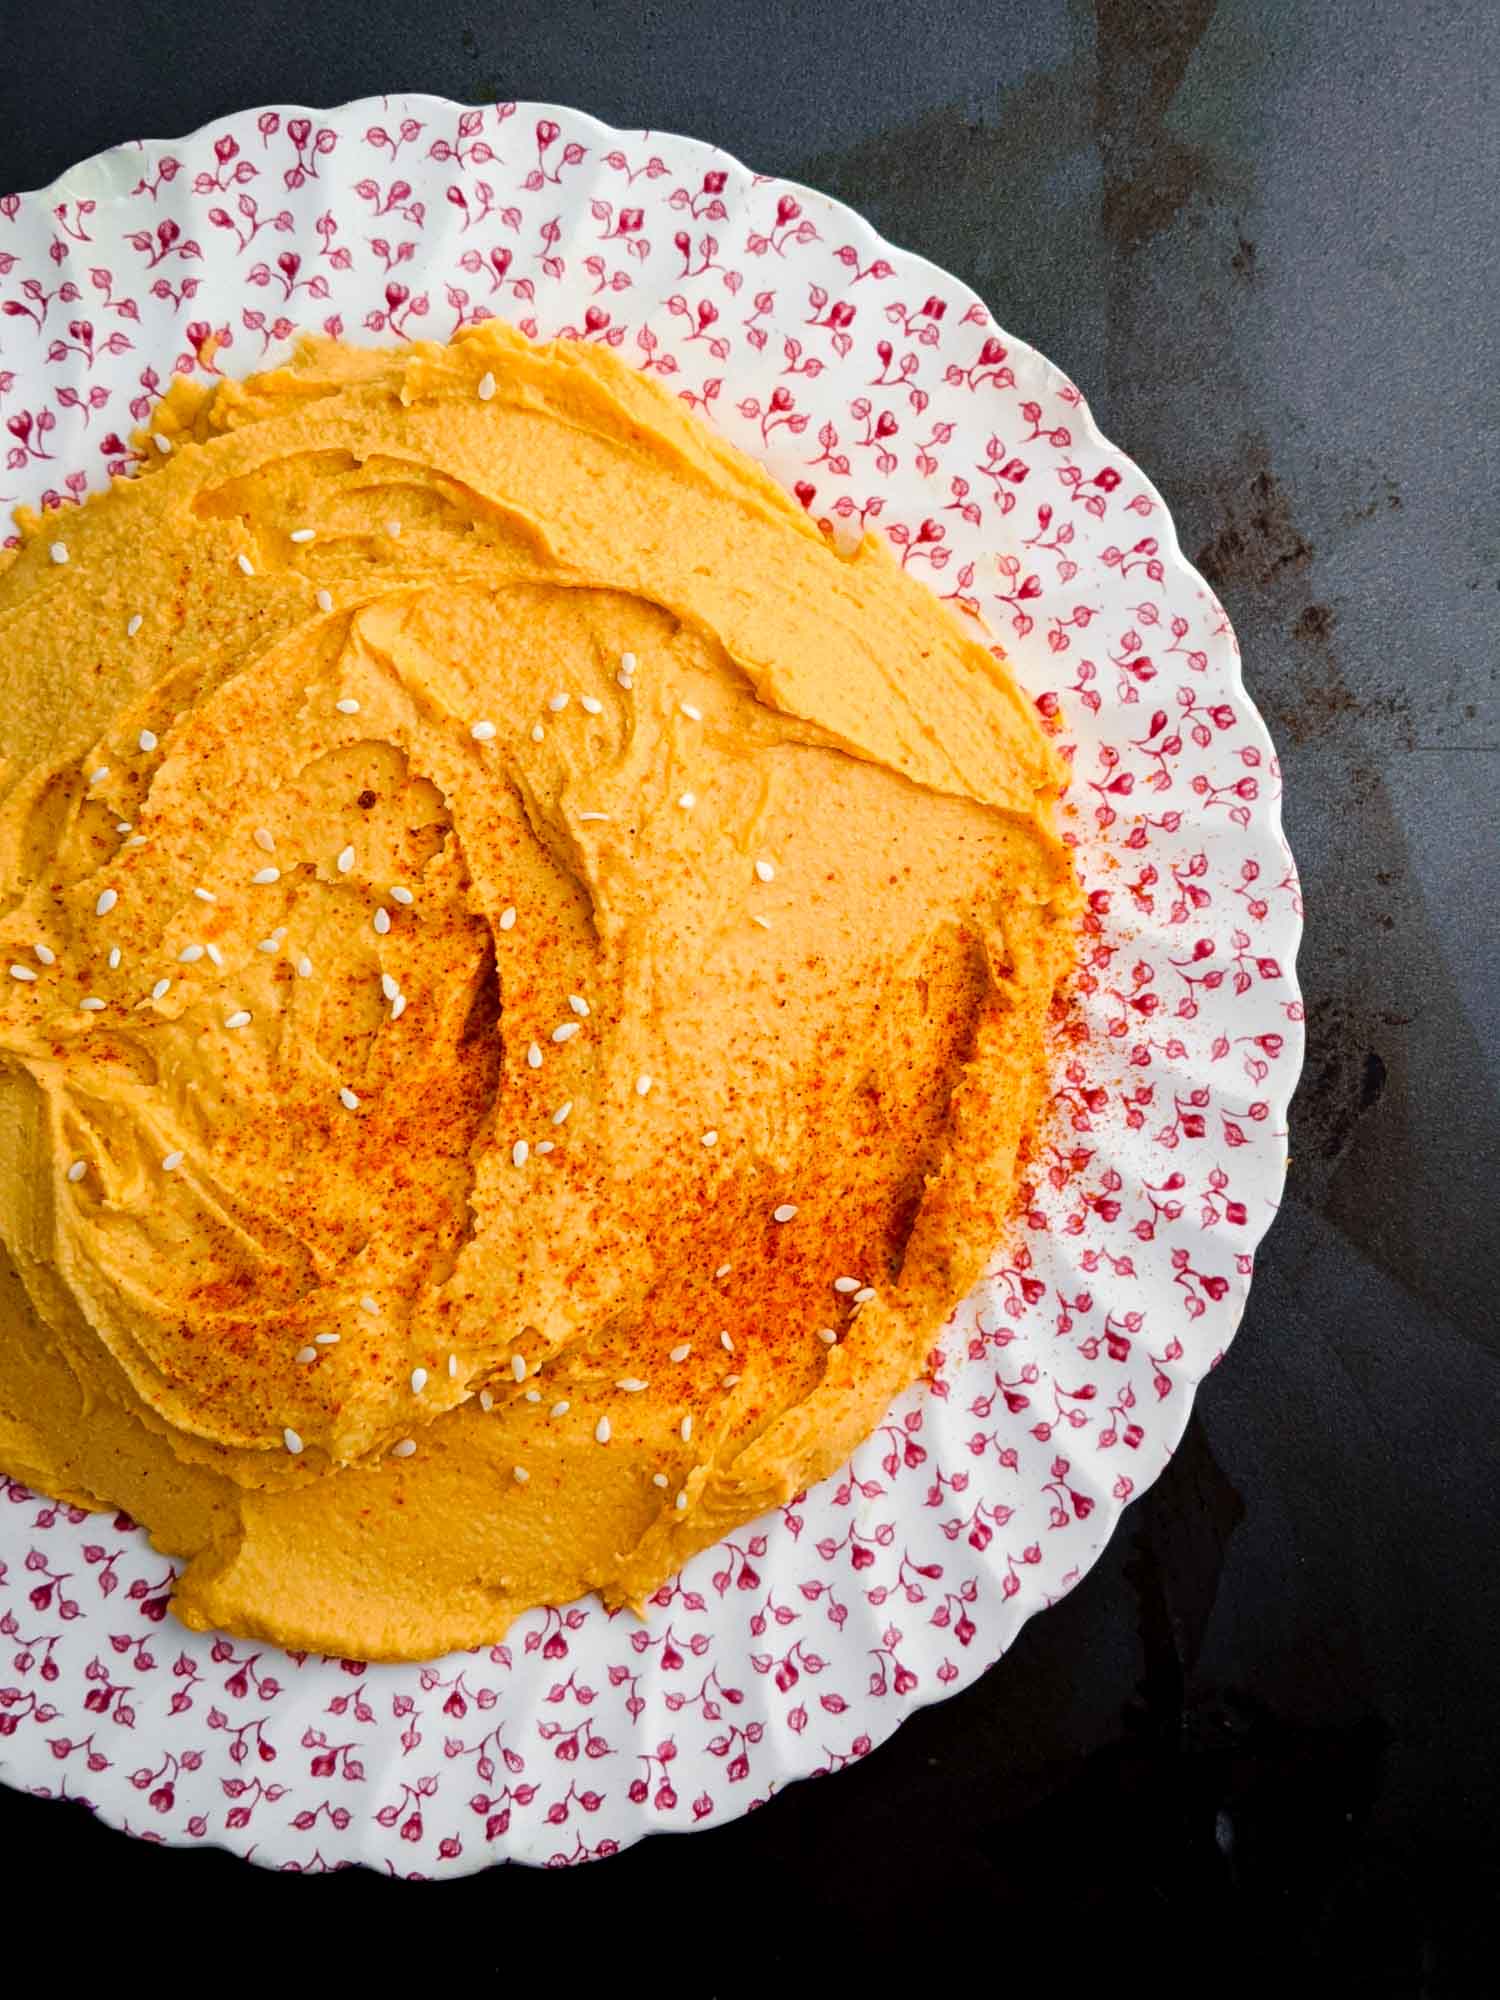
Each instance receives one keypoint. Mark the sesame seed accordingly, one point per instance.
(238, 1019)
(827, 1335)
(658, 1479)
(326, 1339)
(686, 1428)
(518, 1366)
(765, 871)
(545, 1146)
(846, 1284)
(519, 1474)
(692, 714)
(864, 1295)
(398, 1006)
(482, 732)
(680, 1503)
(401, 895)
(113, 961)
(579, 1005)
(405, 1449)
(557, 702)
(486, 386)
(92, 1005)
(631, 1384)
(263, 877)
(688, 801)
(418, 1380)
(291, 1440)
(785, 1213)
(601, 1431)
(324, 600)
(681, 1351)
(163, 444)
(247, 568)
(725, 1342)
(205, 895)
(625, 681)
(710, 1138)
(369, 1305)
(731, 1381)
(381, 921)
(45, 953)
(171, 1163)
(537, 732)
(534, 1056)
(560, 1115)
(643, 1086)
(304, 967)
(627, 663)
(59, 552)
(134, 626)
(190, 954)
(147, 739)
(137, 840)
(348, 1099)
(302, 535)
(588, 816)
(347, 705)
(486, 1401)
(388, 986)
(520, 1153)
(159, 990)
(561, 1409)
(723, 1270)
(264, 839)
(591, 704)
(78, 1169)
(764, 922)
(105, 902)
(565, 1031)
(306, 1354)
(452, 1366)
(508, 918)
(393, 529)
(98, 777)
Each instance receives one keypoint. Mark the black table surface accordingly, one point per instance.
(1263, 240)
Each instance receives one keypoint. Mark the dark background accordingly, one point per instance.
(1264, 1735)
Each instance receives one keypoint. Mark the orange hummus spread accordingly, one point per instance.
(523, 972)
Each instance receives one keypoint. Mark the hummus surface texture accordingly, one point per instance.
(523, 977)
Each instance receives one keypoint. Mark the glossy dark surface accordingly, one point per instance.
(1265, 1731)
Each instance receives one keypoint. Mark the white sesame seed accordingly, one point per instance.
(113, 961)
(398, 1006)
(324, 600)
(92, 1005)
(725, 1342)
(105, 902)
(686, 1428)
(565, 1031)
(171, 1162)
(159, 990)
(205, 895)
(710, 1137)
(693, 714)
(388, 986)
(537, 732)
(369, 1305)
(579, 1005)
(519, 1474)
(482, 732)
(405, 1449)
(381, 921)
(418, 1380)
(123, 826)
(591, 816)
(452, 1366)
(631, 1384)
(486, 386)
(45, 953)
(291, 1440)
(302, 535)
(400, 894)
(306, 1354)
(264, 839)
(643, 1086)
(347, 705)
(263, 877)
(764, 922)
(326, 1339)
(247, 567)
(134, 625)
(508, 918)
(238, 1019)
(681, 1351)
(59, 552)
(557, 702)
(561, 1409)
(279, 933)
(190, 954)
(98, 777)
(162, 442)
(827, 1335)
(534, 1056)
(393, 529)
(78, 1169)
(136, 840)
(518, 1366)
(658, 1479)
(348, 1099)
(625, 681)
(268, 945)
(765, 871)
(520, 1153)
(560, 1115)
(864, 1295)
(627, 663)
(785, 1213)
(304, 967)
(486, 1401)
(730, 1381)
(846, 1284)
(545, 1146)
(680, 1503)
(591, 704)
(147, 739)
(688, 800)
(601, 1431)
(723, 1270)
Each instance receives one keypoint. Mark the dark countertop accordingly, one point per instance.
(1262, 238)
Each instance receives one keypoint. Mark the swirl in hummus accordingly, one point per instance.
(523, 974)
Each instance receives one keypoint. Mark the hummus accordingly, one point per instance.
(523, 972)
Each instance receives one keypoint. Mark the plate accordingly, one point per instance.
(884, 395)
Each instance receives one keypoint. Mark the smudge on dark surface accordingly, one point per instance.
(1342, 1080)
(1259, 539)
(1242, 263)
(1149, 175)
(1315, 624)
